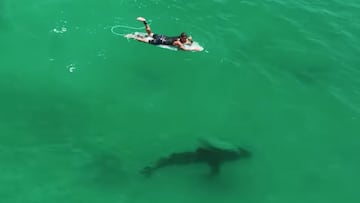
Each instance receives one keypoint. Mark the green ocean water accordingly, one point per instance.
(82, 110)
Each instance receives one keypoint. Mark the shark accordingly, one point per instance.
(213, 155)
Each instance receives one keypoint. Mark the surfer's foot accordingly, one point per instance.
(141, 19)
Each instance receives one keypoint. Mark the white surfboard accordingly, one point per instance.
(194, 45)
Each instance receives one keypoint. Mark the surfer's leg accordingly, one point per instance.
(148, 30)
(147, 27)
(138, 38)
(141, 39)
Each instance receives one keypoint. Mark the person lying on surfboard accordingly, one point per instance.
(177, 41)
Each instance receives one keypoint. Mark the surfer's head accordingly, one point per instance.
(183, 37)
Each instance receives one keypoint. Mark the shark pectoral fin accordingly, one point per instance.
(214, 168)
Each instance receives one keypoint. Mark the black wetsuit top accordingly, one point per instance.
(163, 39)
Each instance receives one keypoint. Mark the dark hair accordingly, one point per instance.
(183, 34)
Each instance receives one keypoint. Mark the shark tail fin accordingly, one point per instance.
(147, 171)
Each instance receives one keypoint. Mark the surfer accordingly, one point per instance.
(211, 153)
(159, 39)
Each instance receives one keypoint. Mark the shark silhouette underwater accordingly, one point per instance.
(211, 152)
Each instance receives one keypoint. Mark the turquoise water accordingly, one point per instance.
(82, 110)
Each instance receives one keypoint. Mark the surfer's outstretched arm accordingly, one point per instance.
(147, 27)
(181, 47)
